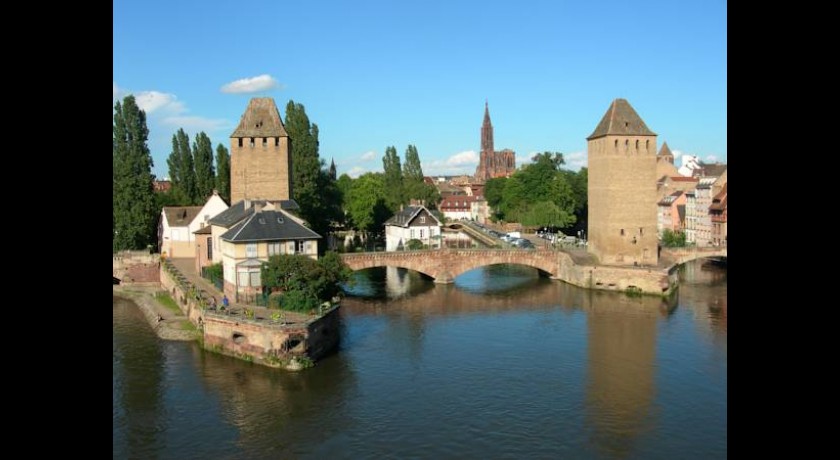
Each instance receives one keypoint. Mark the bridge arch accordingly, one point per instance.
(683, 256)
(445, 264)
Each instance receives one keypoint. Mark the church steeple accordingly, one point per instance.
(332, 168)
(486, 137)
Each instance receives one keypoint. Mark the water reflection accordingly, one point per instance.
(139, 415)
(502, 363)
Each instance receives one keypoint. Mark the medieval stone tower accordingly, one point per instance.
(492, 163)
(622, 188)
(260, 155)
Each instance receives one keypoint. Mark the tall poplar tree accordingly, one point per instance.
(393, 178)
(205, 175)
(182, 170)
(134, 214)
(223, 172)
(314, 190)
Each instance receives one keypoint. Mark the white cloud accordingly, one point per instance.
(710, 159)
(575, 160)
(156, 101)
(256, 84)
(676, 153)
(461, 163)
(356, 171)
(466, 158)
(368, 156)
(116, 92)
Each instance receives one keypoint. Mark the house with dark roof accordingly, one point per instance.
(412, 223)
(177, 225)
(265, 231)
(240, 211)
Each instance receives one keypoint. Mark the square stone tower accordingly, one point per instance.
(622, 189)
(260, 155)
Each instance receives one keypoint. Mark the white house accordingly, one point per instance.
(177, 224)
(412, 223)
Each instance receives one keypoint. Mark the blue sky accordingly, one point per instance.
(374, 73)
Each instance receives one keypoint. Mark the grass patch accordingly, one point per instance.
(187, 325)
(166, 300)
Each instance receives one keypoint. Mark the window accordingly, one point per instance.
(276, 141)
(265, 142)
(622, 232)
(421, 233)
(240, 142)
(641, 231)
(300, 246)
(637, 146)
(411, 233)
(422, 219)
(251, 250)
(274, 248)
(209, 248)
(252, 142)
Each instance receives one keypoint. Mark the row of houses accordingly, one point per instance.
(698, 207)
(240, 237)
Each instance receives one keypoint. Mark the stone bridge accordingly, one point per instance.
(679, 256)
(445, 264)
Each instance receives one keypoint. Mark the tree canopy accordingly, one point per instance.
(303, 282)
(205, 174)
(223, 172)
(134, 212)
(538, 194)
(313, 188)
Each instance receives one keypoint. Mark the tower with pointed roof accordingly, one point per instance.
(333, 172)
(622, 188)
(260, 155)
(492, 163)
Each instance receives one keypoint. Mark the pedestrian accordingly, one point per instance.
(225, 301)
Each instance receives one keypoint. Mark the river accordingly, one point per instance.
(502, 364)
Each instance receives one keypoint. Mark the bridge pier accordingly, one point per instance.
(444, 278)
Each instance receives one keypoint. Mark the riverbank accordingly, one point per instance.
(167, 324)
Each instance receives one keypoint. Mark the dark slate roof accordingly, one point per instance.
(668, 200)
(621, 119)
(681, 212)
(234, 214)
(268, 226)
(261, 119)
(404, 217)
(202, 231)
(665, 151)
(181, 216)
(713, 170)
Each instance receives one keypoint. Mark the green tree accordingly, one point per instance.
(344, 183)
(134, 218)
(182, 169)
(526, 194)
(304, 283)
(393, 178)
(223, 172)
(314, 190)
(414, 187)
(672, 239)
(366, 203)
(205, 175)
(493, 192)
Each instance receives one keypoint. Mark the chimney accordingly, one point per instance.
(246, 204)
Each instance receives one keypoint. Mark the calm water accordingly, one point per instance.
(504, 364)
